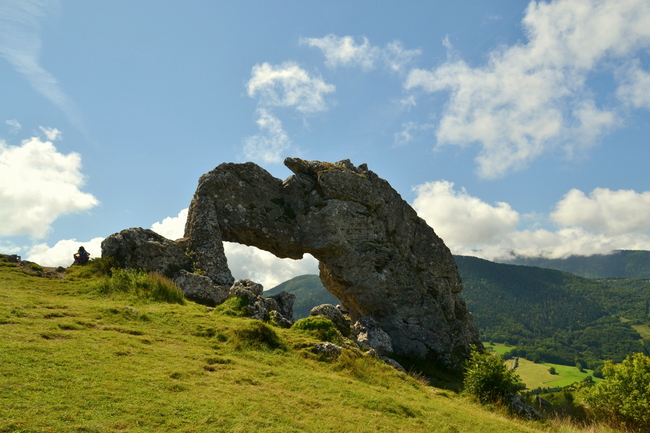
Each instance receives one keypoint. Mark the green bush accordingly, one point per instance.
(623, 397)
(319, 327)
(488, 378)
(142, 285)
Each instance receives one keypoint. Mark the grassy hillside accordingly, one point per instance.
(75, 360)
(625, 263)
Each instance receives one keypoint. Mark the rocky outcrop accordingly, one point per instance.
(332, 313)
(376, 255)
(369, 335)
(138, 248)
(201, 289)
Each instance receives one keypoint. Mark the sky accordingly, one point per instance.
(512, 127)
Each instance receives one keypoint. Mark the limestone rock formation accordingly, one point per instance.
(138, 248)
(329, 311)
(201, 289)
(368, 334)
(376, 255)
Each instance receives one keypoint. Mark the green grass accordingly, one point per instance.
(76, 359)
(537, 375)
(643, 330)
(497, 348)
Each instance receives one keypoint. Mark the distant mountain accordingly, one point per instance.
(543, 313)
(623, 263)
(309, 292)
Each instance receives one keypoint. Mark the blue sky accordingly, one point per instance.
(511, 127)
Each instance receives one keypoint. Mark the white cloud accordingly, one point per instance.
(344, 51)
(52, 134)
(264, 267)
(288, 85)
(20, 45)
(37, 185)
(635, 87)
(15, 127)
(409, 131)
(531, 97)
(172, 227)
(271, 143)
(61, 254)
(596, 224)
(605, 211)
(460, 219)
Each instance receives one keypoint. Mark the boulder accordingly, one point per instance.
(329, 311)
(259, 307)
(138, 248)
(369, 335)
(375, 254)
(200, 289)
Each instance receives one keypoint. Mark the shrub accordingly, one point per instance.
(319, 327)
(151, 286)
(488, 378)
(623, 397)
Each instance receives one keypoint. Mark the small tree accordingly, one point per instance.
(624, 395)
(488, 378)
(552, 370)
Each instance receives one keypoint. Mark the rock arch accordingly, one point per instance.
(375, 254)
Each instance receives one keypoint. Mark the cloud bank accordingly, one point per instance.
(532, 98)
(597, 223)
(38, 185)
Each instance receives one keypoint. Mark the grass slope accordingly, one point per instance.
(74, 361)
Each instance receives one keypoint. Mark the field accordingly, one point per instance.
(538, 376)
(643, 330)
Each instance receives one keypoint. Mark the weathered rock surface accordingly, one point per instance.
(201, 289)
(138, 248)
(261, 308)
(376, 255)
(329, 311)
(368, 334)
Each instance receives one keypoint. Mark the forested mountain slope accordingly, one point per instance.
(544, 314)
(623, 263)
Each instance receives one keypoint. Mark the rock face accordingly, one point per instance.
(376, 255)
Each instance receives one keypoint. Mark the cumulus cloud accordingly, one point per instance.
(38, 185)
(288, 85)
(530, 97)
(20, 45)
(605, 211)
(172, 227)
(344, 51)
(244, 261)
(271, 143)
(61, 254)
(282, 86)
(264, 267)
(460, 219)
(597, 223)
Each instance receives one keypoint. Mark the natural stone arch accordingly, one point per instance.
(375, 254)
